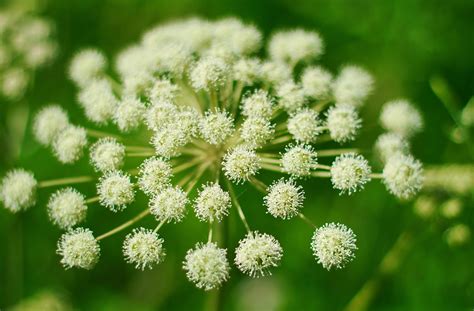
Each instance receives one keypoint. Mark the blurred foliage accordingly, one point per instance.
(403, 43)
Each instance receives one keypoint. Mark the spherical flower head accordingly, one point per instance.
(137, 84)
(240, 164)
(87, 65)
(401, 117)
(236, 37)
(78, 249)
(451, 208)
(160, 114)
(169, 205)
(188, 120)
(259, 104)
(284, 199)
(115, 191)
(388, 144)
(18, 190)
(333, 245)
(98, 101)
(168, 140)
(316, 82)
(275, 73)
(257, 253)
(13, 83)
(206, 266)
(403, 176)
(256, 131)
(154, 175)
(352, 86)
(350, 172)
(305, 126)
(41, 53)
(425, 206)
(131, 60)
(67, 207)
(298, 161)
(458, 235)
(216, 127)
(290, 96)
(48, 123)
(294, 46)
(69, 144)
(212, 203)
(107, 154)
(129, 113)
(163, 90)
(172, 58)
(247, 70)
(143, 248)
(343, 123)
(209, 73)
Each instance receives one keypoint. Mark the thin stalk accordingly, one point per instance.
(237, 205)
(140, 154)
(100, 134)
(93, 200)
(281, 140)
(209, 236)
(197, 177)
(124, 225)
(64, 181)
(139, 148)
(270, 161)
(376, 176)
(323, 167)
(260, 185)
(159, 226)
(321, 174)
(336, 152)
(270, 167)
(306, 220)
(186, 165)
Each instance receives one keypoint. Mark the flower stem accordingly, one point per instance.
(321, 174)
(376, 176)
(237, 205)
(92, 200)
(260, 185)
(335, 152)
(64, 181)
(124, 225)
(306, 220)
(100, 134)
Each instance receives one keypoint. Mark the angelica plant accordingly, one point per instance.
(216, 116)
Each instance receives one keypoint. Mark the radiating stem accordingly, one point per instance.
(237, 205)
(260, 185)
(376, 176)
(321, 174)
(124, 225)
(306, 220)
(281, 140)
(271, 161)
(335, 152)
(209, 237)
(323, 167)
(270, 167)
(186, 165)
(139, 148)
(159, 226)
(64, 181)
(93, 200)
(100, 134)
(140, 154)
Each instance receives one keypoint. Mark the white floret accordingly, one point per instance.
(48, 123)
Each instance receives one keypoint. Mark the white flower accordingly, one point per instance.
(18, 190)
(216, 127)
(316, 82)
(291, 96)
(48, 123)
(107, 154)
(305, 126)
(67, 208)
(13, 83)
(86, 66)
(352, 86)
(168, 140)
(98, 101)
(256, 131)
(403, 175)
(79, 249)
(163, 90)
(212, 203)
(390, 143)
(257, 253)
(401, 117)
(350, 172)
(209, 73)
(115, 191)
(169, 205)
(343, 123)
(154, 175)
(284, 199)
(160, 114)
(69, 144)
(275, 73)
(247, 70)
(299, 160)
(206, 266)
(239, 38)
(240, 164)
(129, 113)
(143, 248)
(333, 245)
(293, 46)
(258, 103)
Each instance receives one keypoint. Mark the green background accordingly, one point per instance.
(403, 43)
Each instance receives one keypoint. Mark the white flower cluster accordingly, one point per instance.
(26, 44)
(215, 115)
